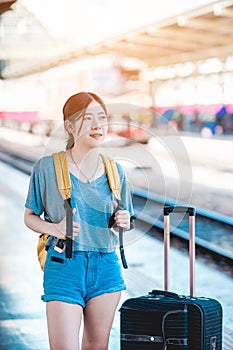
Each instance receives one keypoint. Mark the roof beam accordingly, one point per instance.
(226, 12)
(207, 24)
(138, 49)
(181, 34)
(166, 41)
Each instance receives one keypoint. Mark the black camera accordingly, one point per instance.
(60, 246)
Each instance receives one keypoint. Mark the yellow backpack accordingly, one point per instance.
(64, 186)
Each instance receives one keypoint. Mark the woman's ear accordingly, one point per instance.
(68, 126)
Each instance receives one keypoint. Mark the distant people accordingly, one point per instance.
(224, 120)
(89, 285)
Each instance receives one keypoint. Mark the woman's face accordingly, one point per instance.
(92, 128)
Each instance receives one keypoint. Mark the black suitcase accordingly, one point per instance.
(163, 320)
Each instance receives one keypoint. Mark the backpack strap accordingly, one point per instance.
(115, 187)
(112, 175)
(64, 186)
(62, 174)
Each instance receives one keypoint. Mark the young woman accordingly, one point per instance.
(89, 285)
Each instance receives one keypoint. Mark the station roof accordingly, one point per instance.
(196, 35)
(5, 5)
(191, 36)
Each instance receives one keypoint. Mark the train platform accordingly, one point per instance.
(23, 322)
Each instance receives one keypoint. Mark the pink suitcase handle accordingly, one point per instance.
(179, 209)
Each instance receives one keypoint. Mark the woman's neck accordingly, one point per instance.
(85, 165)
(82, 154)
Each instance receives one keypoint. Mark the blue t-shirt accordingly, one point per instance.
(93, 203)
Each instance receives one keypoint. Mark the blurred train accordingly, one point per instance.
(34, 103)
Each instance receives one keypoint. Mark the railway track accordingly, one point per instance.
(214, 231)
(17, 161)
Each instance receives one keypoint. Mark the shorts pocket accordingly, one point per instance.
(55, 260)
(111, 258)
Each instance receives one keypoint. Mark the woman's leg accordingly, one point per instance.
(98, 318)
(63, 321)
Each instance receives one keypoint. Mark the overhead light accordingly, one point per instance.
(181, 21)
(151, 30)
(217, 10)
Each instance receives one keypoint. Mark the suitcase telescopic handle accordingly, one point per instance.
(179, 209)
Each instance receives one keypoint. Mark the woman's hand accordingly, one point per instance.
(122, 218)
(61, 228)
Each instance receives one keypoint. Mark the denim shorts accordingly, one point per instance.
(84, 276)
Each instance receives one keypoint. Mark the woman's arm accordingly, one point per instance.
(37, 224)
